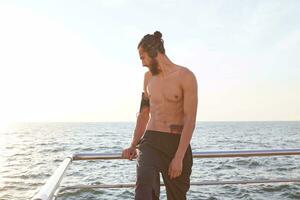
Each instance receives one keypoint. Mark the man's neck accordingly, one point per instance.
(166, 66)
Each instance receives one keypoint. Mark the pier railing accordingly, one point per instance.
(50, 189)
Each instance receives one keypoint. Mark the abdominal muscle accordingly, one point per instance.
(169, 120)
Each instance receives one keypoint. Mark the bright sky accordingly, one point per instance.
(77, 60)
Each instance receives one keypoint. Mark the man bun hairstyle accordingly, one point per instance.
(157, 34)
(153, 43)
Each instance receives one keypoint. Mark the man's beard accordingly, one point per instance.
(153, 67)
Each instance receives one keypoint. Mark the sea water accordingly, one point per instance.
(30, 153)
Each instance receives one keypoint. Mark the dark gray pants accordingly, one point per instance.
(156, 151)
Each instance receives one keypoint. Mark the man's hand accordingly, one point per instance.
(129, 153)
(175, 168)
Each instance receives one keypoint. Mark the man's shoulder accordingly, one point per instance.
(147, 74)
(186, 72)
(187, 77)
(147, 77)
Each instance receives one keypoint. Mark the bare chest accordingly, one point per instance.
(165, 89)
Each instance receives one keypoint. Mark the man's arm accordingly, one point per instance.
(141, 123)
(190, 90)
(143, 115)
(189, 85)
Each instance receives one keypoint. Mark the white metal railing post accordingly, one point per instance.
(47, 191)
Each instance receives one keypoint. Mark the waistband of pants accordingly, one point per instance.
(163, 133)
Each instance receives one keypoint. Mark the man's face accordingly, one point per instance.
(149, 62)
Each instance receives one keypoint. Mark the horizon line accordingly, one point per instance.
(200, 121)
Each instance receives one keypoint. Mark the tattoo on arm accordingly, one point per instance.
(145, 102)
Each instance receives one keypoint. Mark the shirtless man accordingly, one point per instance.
(165, 124)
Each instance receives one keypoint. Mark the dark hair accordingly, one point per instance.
(152, 43)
